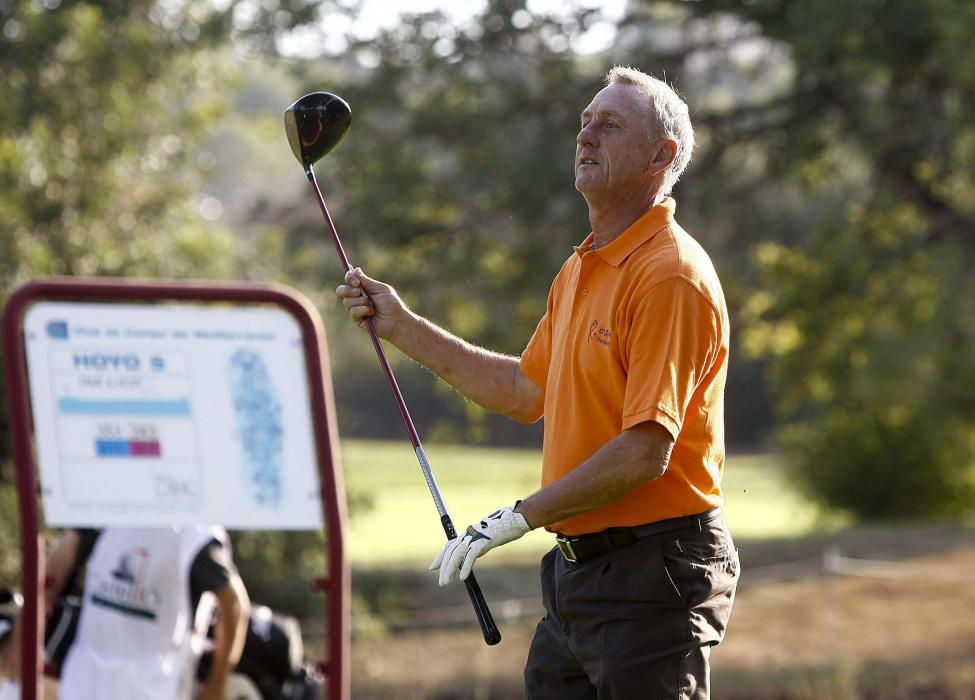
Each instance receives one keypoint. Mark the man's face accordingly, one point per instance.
(613, 150)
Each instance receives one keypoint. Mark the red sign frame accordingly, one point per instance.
(336, 585)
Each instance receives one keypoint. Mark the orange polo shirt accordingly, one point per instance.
(634, 331)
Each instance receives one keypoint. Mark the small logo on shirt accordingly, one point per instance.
(600, 334)
(127, 591)
(124, 570)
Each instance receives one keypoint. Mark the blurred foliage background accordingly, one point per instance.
(833, 188)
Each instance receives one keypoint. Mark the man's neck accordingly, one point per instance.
(609, 219)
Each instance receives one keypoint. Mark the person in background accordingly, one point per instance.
(145, 597)
(11, 607)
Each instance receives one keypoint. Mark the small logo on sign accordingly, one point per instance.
(600, 334)
(57, 330)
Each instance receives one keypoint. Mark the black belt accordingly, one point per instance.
(579, 548)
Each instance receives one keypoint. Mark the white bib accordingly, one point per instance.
(135, 635)
(9, 690)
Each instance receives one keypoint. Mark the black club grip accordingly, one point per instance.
(492, 635)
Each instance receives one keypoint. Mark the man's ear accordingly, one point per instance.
(666, 152)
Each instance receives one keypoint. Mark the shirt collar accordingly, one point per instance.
(639, 232)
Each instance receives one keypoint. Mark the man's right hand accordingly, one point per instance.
(383, 304)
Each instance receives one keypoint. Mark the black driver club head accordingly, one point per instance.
(315, 124)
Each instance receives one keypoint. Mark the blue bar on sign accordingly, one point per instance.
(112, 448)
(176, 407)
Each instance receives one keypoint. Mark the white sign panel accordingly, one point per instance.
(160, 414)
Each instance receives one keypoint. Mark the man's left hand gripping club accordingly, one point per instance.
(501, 527)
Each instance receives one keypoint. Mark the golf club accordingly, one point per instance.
(315, 124)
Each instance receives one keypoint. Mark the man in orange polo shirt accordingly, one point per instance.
(628, 367)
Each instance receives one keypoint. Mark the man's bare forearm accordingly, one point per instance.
(635, 457)
(230, 634)
(490, 379)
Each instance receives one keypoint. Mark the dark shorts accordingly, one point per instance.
(637, 623)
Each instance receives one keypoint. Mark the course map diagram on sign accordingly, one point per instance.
(258, 413)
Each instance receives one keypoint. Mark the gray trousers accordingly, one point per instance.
(636, 623)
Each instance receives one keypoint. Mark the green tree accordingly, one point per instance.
(105, 110)
(856, 167)
(454, 183)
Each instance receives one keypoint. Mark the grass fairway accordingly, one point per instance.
(760, 501)
(394, 522)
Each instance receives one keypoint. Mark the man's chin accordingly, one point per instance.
(584, 184)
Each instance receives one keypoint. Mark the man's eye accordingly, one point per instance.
(612, 125)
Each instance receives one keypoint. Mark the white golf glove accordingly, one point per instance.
(501, 527)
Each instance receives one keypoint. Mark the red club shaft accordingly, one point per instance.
(488, 627)
(387, 370)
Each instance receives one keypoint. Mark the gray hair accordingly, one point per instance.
(668, 117)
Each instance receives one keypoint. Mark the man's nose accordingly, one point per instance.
(586, 136)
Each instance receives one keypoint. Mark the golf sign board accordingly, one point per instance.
(155, 414)
(151, 403)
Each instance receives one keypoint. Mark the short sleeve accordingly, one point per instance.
(212, 568)
(87, 537)
(537, 357)
(672, 339)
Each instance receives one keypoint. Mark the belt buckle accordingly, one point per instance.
(565, 546)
